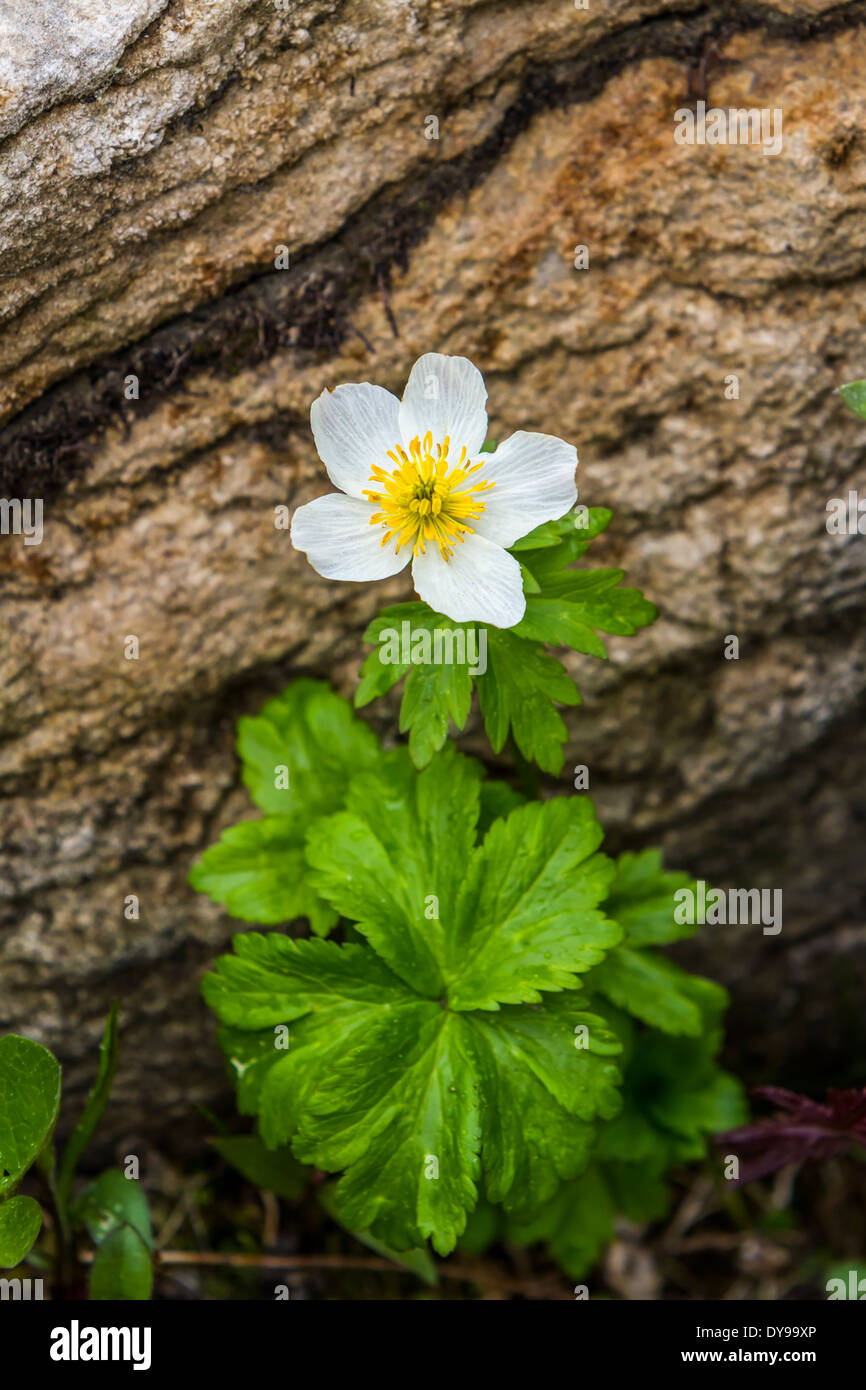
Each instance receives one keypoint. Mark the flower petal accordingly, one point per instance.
(480, 583)
(340, 543)
(534, 477)
(354, 426)
(445, 395)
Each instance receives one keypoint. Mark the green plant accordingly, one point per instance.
(495, 1043)
(112, 1210)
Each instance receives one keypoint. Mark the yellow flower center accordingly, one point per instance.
(423, 498)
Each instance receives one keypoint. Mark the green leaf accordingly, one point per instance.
(397, 856)
(498, 800)
(122, 1268)
(278, 1172)
(312, 732)
(271, 980)
(114, 1211)
(527, 916)
(403, 1113)
(259, 873)
(416, 1066)
(576, 1223)
(519, 686)
(394, 1092)
(434, 695)
(487, 925)
(582, 524)
(539, 1091)
(399, 1112)
(854, 396)
(651, 988)
(416, 1261)
(20, 1223)
(438, 672)
(110, 1202)
(675, 1094)
(674, 1097)
(572, 604)
(518, 692)
(29, 1100)
(93, 1109)
(310, 737)
(642, 899)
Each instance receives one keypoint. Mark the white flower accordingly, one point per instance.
(415, 485)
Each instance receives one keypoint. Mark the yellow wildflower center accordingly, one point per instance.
(422, 500)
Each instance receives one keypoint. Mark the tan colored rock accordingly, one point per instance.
(155, 258)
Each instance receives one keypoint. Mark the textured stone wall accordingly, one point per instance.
(153, 158)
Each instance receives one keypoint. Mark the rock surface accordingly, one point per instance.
(153, 162)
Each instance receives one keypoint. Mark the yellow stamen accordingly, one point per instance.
(422, 500)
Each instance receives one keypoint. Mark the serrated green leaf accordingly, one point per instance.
(402, 1112)
(20, 1223)
(416, 1261)
(573, 604)
(439, 678)
(539, 1091)
(394, 862)
(642, 899)
(576, 1223)
(312, 732)
(675, 1094)
(273, 979)
(651, 988)
(854, 396)
(257, 870)
(385, 1067)
(433, 695)
(527, 917)
(674, 1097)
(97, 1100)
(584, 523)
(278, 1172)
(399, 1112)
(29, 1100)
(521, 685)
(517, 694)
(487, 925)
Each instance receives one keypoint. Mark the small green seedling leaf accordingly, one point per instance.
(122, 1268)
(114, 1211)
